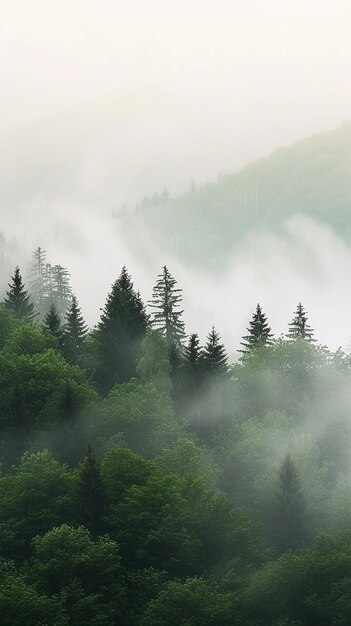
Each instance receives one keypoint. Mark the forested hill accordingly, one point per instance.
(203, 226)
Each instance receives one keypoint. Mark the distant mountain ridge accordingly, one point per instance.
(312, 177)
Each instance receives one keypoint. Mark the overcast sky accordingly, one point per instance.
(105, 102)
(145, 93)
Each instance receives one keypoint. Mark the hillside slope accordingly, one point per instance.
(313, 177)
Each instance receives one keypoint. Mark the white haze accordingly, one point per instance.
(103, 103)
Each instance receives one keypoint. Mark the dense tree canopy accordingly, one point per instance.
(148, 482)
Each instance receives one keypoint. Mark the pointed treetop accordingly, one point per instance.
(259, 332)
(119, 332)
(75, 330)
(38, 281)
(214, 355)
(167, 317)
(18, 299)
(298, 327)
(52, 323)
(193, 351)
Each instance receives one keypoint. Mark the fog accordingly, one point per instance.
(103, 104)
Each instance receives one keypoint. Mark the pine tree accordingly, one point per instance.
(18, 299)
(49, 296)
(89, 494)
(75, 330)
(193, 352)
(38, 282)
(52, 323)
(192, 370)
(214, 357)
(298, 327)
(119, 333)
(289, 518)
(259, 332)
(60, 287)
(167, 318)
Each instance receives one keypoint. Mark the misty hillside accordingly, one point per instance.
(203, 227)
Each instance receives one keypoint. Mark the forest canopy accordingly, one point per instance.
(147, 480)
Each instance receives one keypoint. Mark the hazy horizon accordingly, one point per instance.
(103, 105)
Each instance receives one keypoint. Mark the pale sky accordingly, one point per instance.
(153, 92)
(104, 102)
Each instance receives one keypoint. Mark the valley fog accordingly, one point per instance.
(307, 263)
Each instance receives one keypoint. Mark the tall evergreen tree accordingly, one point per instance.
(119, 333)
(18, 299)
(75, 330)
(49, 283)
(298, 327)
(38, 281)
(192, 370)
(214, 358)
(167, 315)
(89, 494)
(259, 332)
(193, 352)
(60, 288)
(52, 323)
(289, 518)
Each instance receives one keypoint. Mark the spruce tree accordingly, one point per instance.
(259, 332)
(75, 330)
(192, 370)
(193, 352)
(61, 292)
(89, 494)
(38, 282)
(289, 518)
(298, 327)
(119, 333)
(167, 315)
(214, 358)
(18, 299)
(52, 323)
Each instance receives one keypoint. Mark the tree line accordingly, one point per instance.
(145, 481)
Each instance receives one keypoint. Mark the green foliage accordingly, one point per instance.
(186, 459)
(74, 333)
(167, 316)
(154, 366)
(289, 528)
(141, 414)
(214, 357)
(178, 526)
(18, 300)
(28, 384)
(308, 588)
(8, 322)
(194, 602)
(21, 603)
(298, 327)
(259, 332)
(310, 177)
(85, 573)
(35, 498)
(39, 281)
(89, 494)
(52, 324)
(120, 469)
(119, 333)
(202, 475)
(289, 376)
(29, 340)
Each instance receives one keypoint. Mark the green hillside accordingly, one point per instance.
(313, 177)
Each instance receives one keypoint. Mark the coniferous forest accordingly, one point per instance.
(147, 480)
